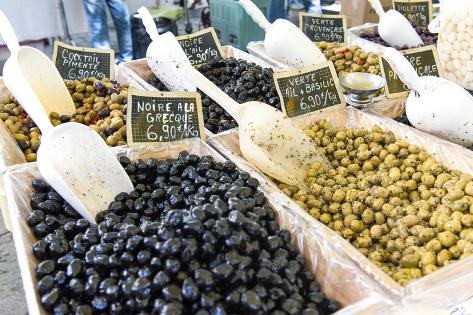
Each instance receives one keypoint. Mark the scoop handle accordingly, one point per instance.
(8, 33)
(148, 22)
(255, 13)
(403, 69)
(209, 88)
(35, 109)
(377, 7)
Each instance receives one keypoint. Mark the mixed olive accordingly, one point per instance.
(427, 37)
(353, 59)
(20, 125)
(101, 104)
(195, 236)
(241, 80)
(394, 202)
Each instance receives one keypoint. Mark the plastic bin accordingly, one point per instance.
(233, 25)
(140, 37)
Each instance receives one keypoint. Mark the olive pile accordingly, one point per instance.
(194, 237)
(241, 80)
(101, 104)
(20, 125)
(393, 201)
(427, 37)
(352, 59)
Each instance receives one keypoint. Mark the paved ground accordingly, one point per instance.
(12, 299)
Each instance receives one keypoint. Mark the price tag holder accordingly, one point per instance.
(201, 47)
(418, 12)
(154, 116)
(77, 63)
(328, 28)
(309, 90)
(426, 62)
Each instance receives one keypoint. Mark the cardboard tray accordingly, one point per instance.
(439, 291)
(340, 278)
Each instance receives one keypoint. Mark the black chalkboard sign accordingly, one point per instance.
(328, 28)
(418, 12)
(425, 60)
(77, 63)
(163, 116)
(201, 47)
(307, 90)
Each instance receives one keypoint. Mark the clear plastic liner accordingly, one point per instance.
(10, 153)
(355, 39)
(439, 291)
(340, 278)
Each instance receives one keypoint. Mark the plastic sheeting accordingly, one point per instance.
(340, 277)
(438, 292)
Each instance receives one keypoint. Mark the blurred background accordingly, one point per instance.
(39, 23)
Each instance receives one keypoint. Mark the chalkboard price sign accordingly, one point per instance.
(163, 116)
(328, 28)
(308, 90)
(77, 63)
(425, 60)
(418, 12)
(201, 47)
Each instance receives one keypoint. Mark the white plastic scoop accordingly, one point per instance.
(394, 28)
(155, 55)
(435, 105)
(32, 67)
(283, 41)
(268, 139)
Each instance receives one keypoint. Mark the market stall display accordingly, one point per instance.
(391, 226)
(100, 104)
(238, 212)
(241, 76)
(86, 189)
(283, 41)
(265, 132)
(296, 205)
(241, 80)
(450, 156)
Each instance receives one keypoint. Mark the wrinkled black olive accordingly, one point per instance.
(195, 236)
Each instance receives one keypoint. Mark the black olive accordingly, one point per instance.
(50, 299)
(40, 185)
(45, 268)
(45, 284)
(194, 237)
(251, 301)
